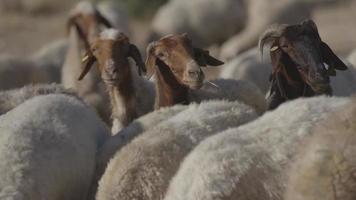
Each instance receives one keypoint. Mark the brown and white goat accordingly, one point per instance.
(130, 95)
(176, 64)
(84, 24)
(299, 56)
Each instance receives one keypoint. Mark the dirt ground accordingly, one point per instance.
(23, 34)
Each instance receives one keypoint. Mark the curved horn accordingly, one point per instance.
(150, 60)
(89, 59)
(273, 32)
(136, 55)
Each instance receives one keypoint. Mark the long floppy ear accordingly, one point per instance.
(135, 54)
(150, 60)
(331, 59)
(72, 21)
(89, 59)
(102, 20)
(203, 58)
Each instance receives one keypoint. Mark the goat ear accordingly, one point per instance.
(135, 54)
(89, 59)
(102, 20)
(72, 21)
(150, 60)
(203, 58)
(331, 59)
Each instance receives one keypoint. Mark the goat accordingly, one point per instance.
(83, 25)
(176, 64)
(298, 55)
(131, 96)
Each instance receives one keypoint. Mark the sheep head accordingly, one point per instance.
(87, 20)
(111, 50)
(302, 45)
(184, 61)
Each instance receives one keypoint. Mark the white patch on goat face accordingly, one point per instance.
(109, 34)
(85, 8)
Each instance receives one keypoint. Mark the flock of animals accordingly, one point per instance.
(278, 123)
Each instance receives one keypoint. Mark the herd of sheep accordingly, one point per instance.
(89, 118)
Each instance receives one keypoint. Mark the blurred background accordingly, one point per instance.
(27, 25)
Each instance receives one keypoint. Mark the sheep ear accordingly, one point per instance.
(89, 59)
(102, 20)
(203, 58)
(150, 60)
(72, 21)
(135, 54)
(330, 58)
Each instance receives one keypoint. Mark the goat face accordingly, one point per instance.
(111, 51)
(304, 47)
(87, 20)
(183, 60)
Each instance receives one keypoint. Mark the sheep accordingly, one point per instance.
(117, 15)
(260, 14)
(12, 98)
(48, 148)
(143, 168)
(84, 24)
(352, 58)
(176, 66)
(137, 127)
(325, 167)
(249, 162)
(298, 55)
(190, 16)
(50, 59)
(249, 66)
(131, 96)
(16, 72)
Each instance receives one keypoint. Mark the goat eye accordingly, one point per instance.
(160, 55)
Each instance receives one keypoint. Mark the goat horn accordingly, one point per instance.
(274, 32)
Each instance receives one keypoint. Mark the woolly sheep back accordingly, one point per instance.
(324, 169)
(50, 143)
(143, 168)
(248, 162)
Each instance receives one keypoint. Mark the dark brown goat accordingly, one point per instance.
(299, 56)
(176, 64)
(111, 50)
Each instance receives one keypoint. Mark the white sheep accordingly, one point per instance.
(48, 148)
(249, 162)
(16, 72)
(9, 99)
(260, 15)
(138, 126)
(50, 59)
(325, 167)
(191, 16)
(250, 67)
(143, 168)
(352, 58)
(116, 14)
